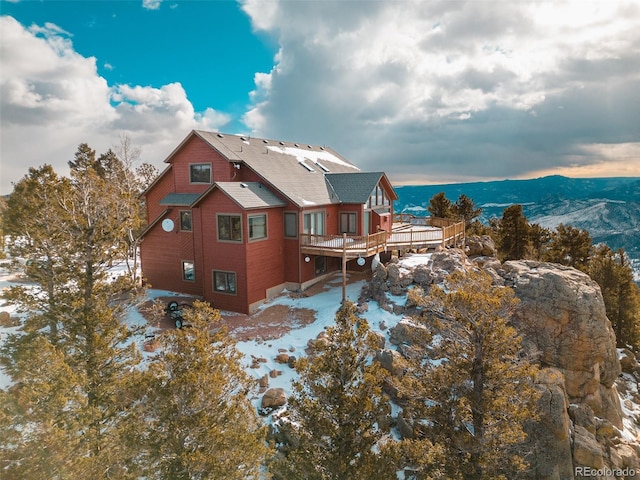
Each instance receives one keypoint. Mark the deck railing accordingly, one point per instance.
(410, 219)
(353, 244)
(409, 235)
(410, 238)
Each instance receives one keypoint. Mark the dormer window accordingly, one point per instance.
(200, 173)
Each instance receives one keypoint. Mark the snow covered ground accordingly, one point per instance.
(293, 342)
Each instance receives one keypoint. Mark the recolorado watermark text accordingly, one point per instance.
(605, 472)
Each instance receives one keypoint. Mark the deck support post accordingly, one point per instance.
(344, 268)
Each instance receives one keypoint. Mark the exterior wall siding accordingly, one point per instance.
(265, 257)
(160, 190)
(161, 258)
(197, 151)
(223, 256)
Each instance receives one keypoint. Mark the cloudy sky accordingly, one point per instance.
(428, 91)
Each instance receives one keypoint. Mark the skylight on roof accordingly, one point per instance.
(307, 167)
(322, 167)
(312, 155)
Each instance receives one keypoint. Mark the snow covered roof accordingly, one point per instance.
(295, 170)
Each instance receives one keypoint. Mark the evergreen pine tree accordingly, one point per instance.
(198, 422)
(570, 246)
(38, 420)
(440, 206)
(513, 241)
(621, 294)
(34, 220)
(539, 238)
(335, 409)
(71, 232)
(465, 209)
(480, 392)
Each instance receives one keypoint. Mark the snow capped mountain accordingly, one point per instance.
(609, 208)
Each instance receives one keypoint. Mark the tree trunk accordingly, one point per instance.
(477, 405)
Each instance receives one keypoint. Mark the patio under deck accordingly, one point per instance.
(409, 233)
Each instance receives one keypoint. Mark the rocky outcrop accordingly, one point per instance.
(549, 436)
(562, 320)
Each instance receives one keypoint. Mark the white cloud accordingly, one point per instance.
(151, 4)
(52, 99)
(442, 88)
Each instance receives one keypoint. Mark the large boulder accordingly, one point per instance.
(587, 452)
(480, 246)
(447, 262)
(562, 318)
(409, 332)
(273, 398)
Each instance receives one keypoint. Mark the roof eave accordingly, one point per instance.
(157, 179)
(154, 223)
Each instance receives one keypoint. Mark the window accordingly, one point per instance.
(320, 264)
(230, 228)
(224, 282)
(200, 173)
(377, 197)
(348, 223)
(185, 220)
(257, 227)
(290, 224)
(313, 223)
(188, 271)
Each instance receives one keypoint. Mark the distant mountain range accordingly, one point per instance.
(609, 208)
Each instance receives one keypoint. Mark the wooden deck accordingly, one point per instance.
(407, 233)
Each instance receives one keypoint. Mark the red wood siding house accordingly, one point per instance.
(230, 216)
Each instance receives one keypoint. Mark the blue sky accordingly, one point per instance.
(206, 46)
(428, 91)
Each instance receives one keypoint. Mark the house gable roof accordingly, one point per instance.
(295, 170)
(306, 175)
(155, 181)
(250, 195)
(153, 223)
(353, 187)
